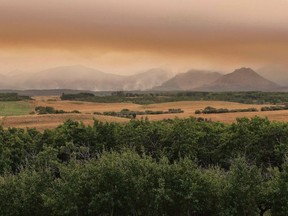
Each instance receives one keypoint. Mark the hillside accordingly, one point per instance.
(189, 80)
(275, 73)
(243, 79)
(146, 80)
(84, 78)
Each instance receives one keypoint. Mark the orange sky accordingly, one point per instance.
(126, 36)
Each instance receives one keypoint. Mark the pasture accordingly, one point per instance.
(15, 108)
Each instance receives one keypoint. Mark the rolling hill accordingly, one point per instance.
(84, 78)
(189, 80)
(243, 79)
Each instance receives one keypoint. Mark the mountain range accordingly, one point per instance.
(189, 80)
(84, 78)
(243, 79)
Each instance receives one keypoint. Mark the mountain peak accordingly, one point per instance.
(243, 79)
(246, 71)
(188, 81)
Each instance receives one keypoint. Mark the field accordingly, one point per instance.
(9, 108)
(16, 114)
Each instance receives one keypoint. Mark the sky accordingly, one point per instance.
(129, 36)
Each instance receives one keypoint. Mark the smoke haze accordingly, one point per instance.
(129, 36)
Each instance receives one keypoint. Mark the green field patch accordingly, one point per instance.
(14, 108)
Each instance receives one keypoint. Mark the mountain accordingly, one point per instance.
(72, 77)
(243, 79)
(189, 80)
(2, 80)
(2, 77)
(84, 78)
(275, 73)
(146, 80)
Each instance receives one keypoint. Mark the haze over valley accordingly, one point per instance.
(84, 78)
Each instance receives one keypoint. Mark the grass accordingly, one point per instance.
(15, 108)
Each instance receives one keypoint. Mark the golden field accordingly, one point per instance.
(87, 109)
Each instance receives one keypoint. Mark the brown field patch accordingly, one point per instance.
(42, 122)
(84, 107)
(88, 108)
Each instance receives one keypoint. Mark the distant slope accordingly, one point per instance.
(189, 80)
(2, 80)
(146, 80)
(84, 78)
(72, 77)
(275, 73)
(243, 79)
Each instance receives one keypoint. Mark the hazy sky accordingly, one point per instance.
(125, 36)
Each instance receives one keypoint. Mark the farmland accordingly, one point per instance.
(16, 114)
(15, 108)
(141, 154)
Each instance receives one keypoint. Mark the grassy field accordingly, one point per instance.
(16, 113)
(11, 108)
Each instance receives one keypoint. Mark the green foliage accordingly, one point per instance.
(241, 189)
(280, 198)
(126, 113)
(13, 97)
(41, 110)
(171, 167)
(14, 108)
(211, 110)
(162, 97)
(274, 108)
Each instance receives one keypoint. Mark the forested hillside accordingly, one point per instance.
(170, 167)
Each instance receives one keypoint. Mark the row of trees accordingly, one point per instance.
(41, 110)
(170, 167)
(211, 110)
(126, 113)
(13, 97)
(161, 97)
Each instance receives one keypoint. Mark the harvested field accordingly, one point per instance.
(87, 109)
(42, 122)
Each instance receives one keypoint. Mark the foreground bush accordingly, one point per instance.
(129, 184)
(170, 167)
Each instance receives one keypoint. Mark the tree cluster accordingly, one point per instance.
(126, 113)
(274, 108)
(163, 97)
(41, 110)
(171, 167)
(13, 97)
(212, 110)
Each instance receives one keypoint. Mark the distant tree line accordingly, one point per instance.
(274, 108)
(211, 110)
(162, 97)
(126, 113)
(13, 97)
(41, 110)
(170, 167)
